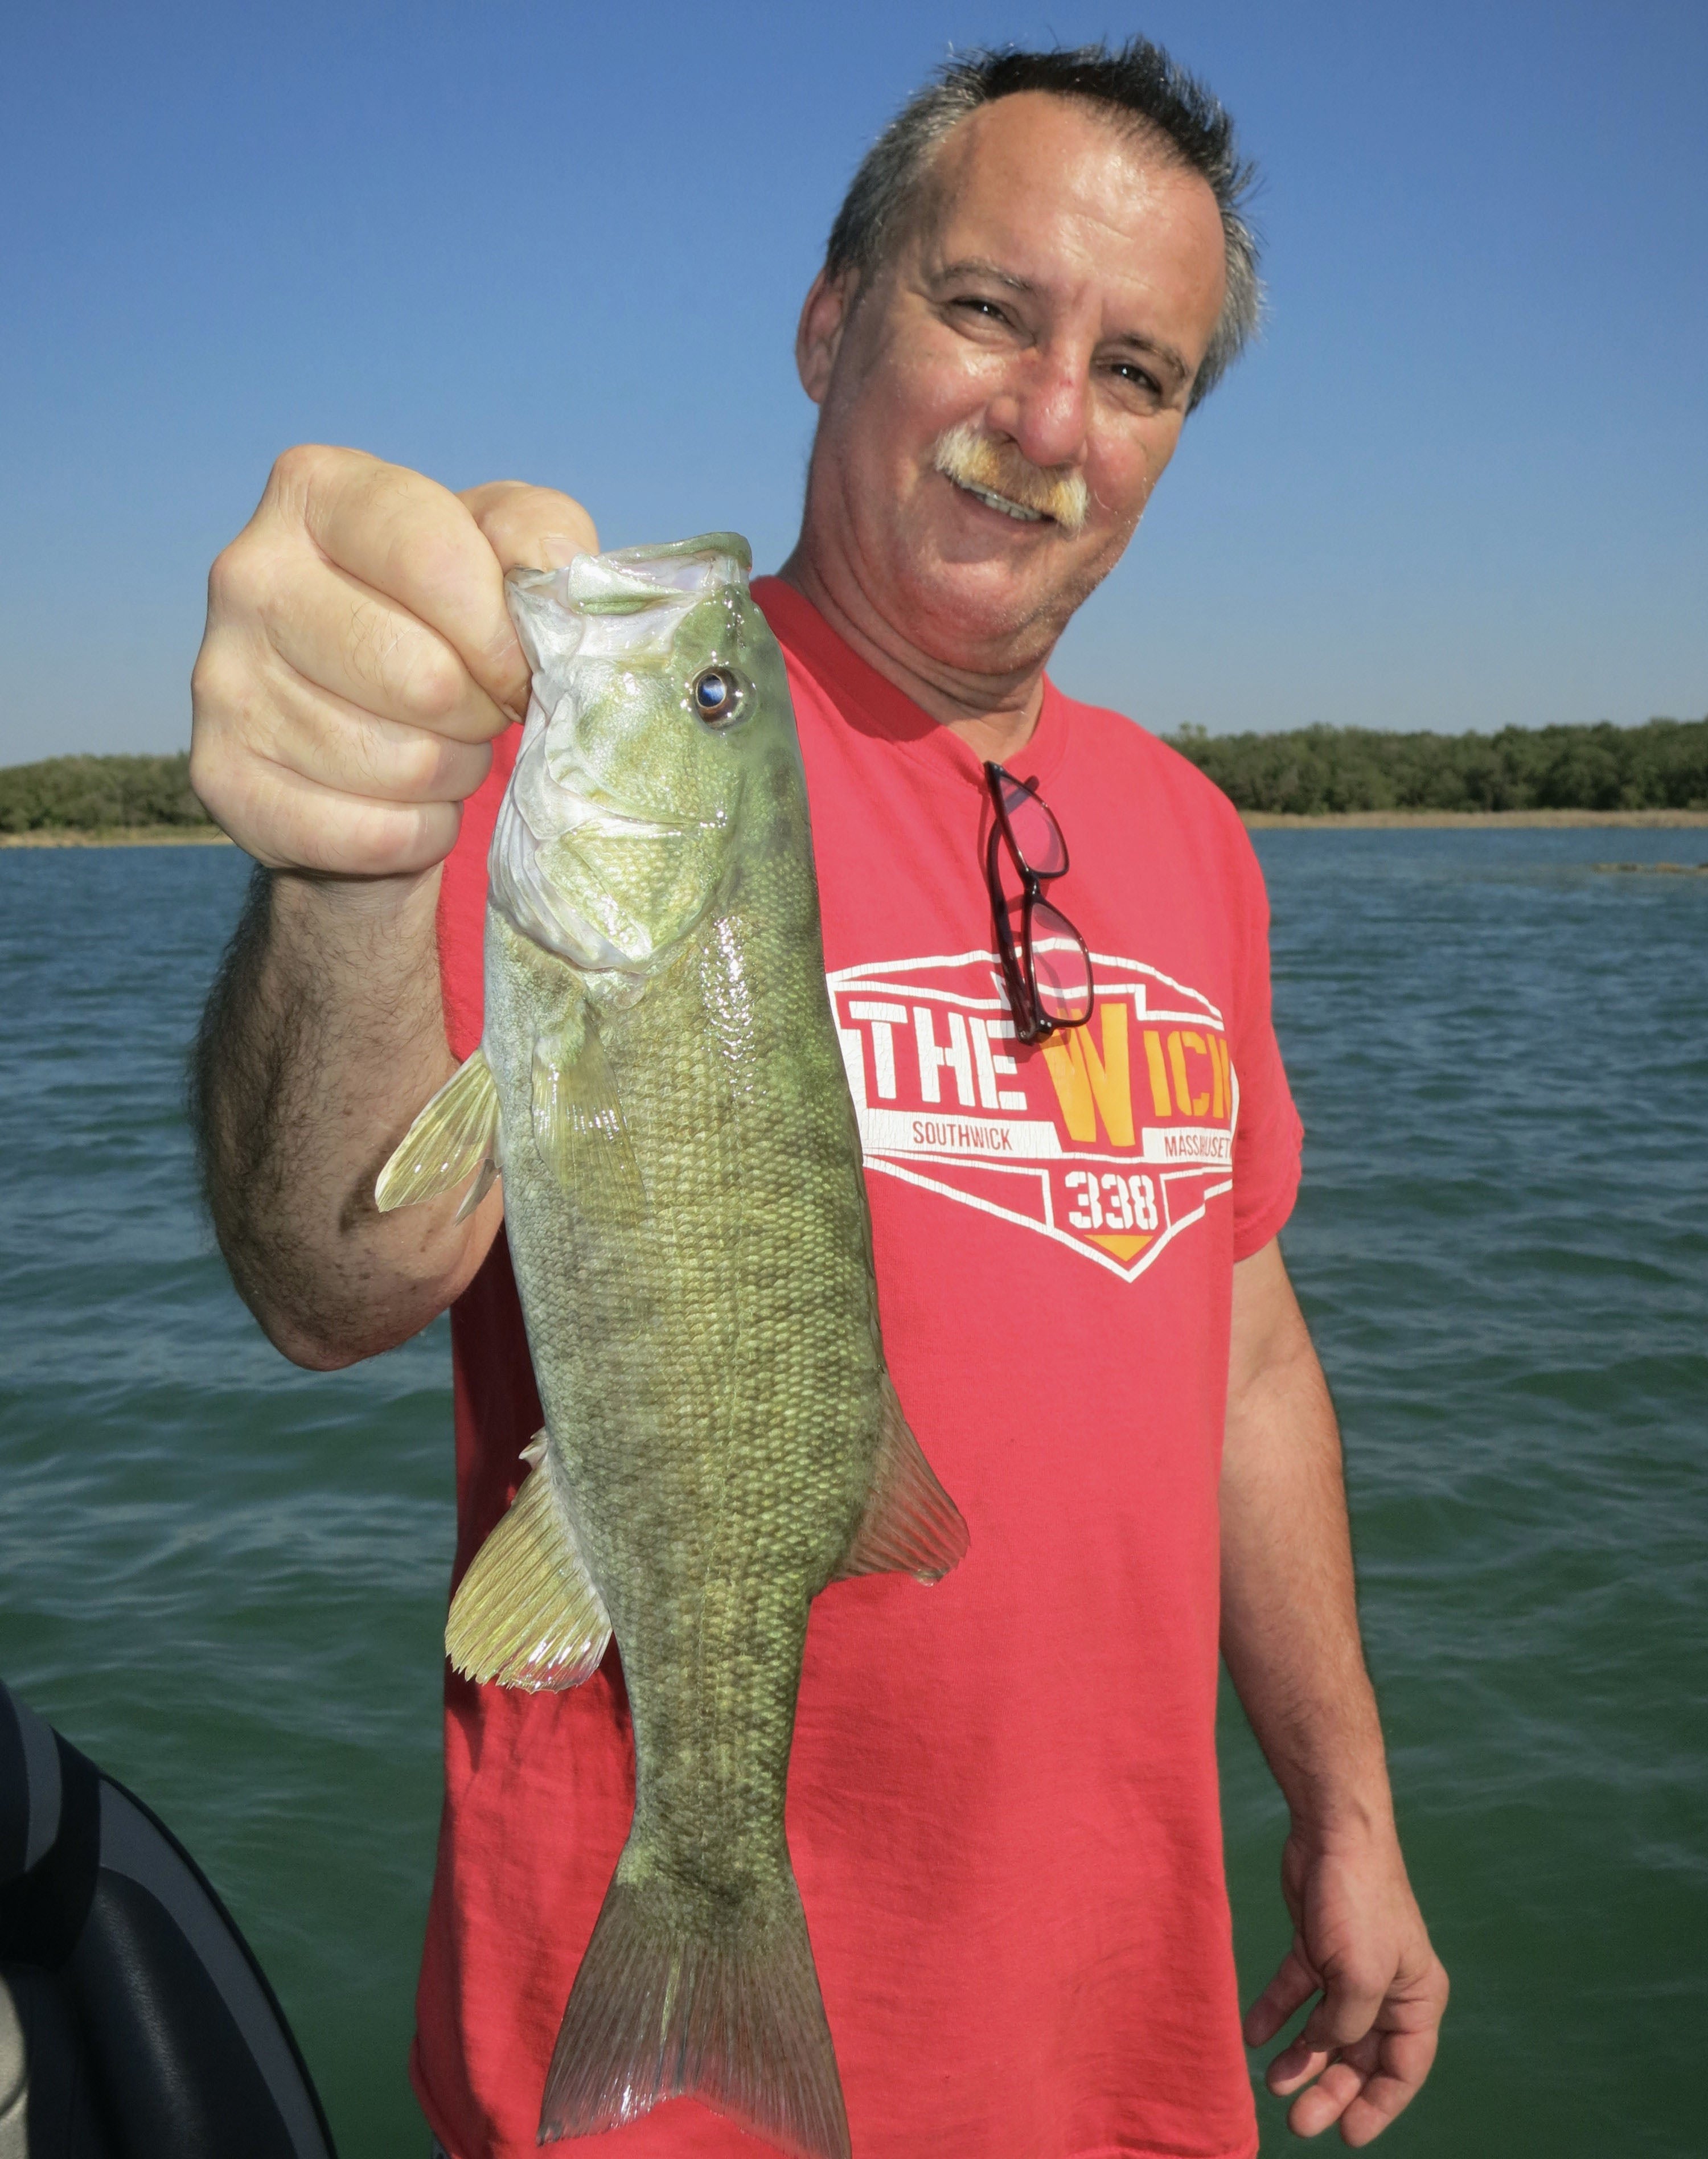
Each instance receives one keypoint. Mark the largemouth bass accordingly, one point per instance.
(660, 1085)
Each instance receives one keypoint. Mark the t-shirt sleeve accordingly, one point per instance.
(1268, 1135)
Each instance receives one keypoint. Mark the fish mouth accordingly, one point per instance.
(551, 861)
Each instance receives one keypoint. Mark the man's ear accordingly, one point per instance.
(824, 317)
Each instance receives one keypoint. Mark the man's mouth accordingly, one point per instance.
(1017, 510)
(994, 471)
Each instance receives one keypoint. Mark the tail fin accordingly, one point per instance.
(733, 2018)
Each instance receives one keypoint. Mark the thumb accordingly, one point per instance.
(527, 528)
(531, 528)
(1294, 1984)
(1351, 1997)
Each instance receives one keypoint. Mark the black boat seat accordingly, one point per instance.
(134, 2020)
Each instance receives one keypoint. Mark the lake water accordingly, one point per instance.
(225, 1578)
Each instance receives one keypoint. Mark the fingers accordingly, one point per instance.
(359, 658)
(402, 535)
(1325, 2101)
(531, 528)
(366, 649)
(1369, 2042)
(1361, 2083)
(366, 755)
(1403, 2063)
(1295, 2065)
(1362, 2086)
(305, 780)
(310, 828)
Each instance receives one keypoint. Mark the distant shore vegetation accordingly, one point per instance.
(1308, 772)
(98, 794)
(1317, 772)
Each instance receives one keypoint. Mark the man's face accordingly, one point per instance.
(1053, 295)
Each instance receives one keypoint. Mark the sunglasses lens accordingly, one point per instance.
(1035, 833)
(1060, 967)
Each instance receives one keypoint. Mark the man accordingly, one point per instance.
(1003, 1800)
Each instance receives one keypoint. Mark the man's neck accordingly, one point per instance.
(994, 715)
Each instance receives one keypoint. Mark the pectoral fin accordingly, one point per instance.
(477, 1191)
(455, 1136)
(912, 1526)
(580, 1130)
(526, 1614)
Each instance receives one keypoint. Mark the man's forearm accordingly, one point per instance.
(322, 1037)
(1289, 1630)
(1290, 1635)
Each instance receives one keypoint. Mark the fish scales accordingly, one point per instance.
(714, 1329)
(660, 1084)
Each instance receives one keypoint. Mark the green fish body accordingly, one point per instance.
(660, 1086)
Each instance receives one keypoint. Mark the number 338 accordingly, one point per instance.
(1112, 1201)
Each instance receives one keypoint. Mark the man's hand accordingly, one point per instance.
(359, 659)
(1359, 1941)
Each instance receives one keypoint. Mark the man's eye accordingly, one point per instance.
(1140, 379)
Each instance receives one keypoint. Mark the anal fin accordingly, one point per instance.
(526, 1614)
(455, 1136)
(911, 1526)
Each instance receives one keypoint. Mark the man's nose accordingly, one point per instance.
(1045, 407)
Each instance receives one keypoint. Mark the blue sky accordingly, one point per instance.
(1461, 483)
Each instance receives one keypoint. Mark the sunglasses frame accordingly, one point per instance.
(1031, 1024)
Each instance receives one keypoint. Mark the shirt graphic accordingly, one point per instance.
(1115, 1139)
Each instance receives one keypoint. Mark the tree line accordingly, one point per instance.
(1313, 771)
(1308, 772)
(91, 793)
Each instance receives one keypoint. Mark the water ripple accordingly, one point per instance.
(225, 1577)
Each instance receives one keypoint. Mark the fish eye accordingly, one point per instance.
(717, 694)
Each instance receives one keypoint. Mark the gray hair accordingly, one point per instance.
(1138, 83)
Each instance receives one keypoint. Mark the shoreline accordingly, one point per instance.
(121, 836)
(1509, 820)
(1256, 821)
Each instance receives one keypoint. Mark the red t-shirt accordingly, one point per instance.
(1002, 1799)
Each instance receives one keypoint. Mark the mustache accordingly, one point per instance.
(971, 458)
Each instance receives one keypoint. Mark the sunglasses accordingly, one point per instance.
(1048, 973)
